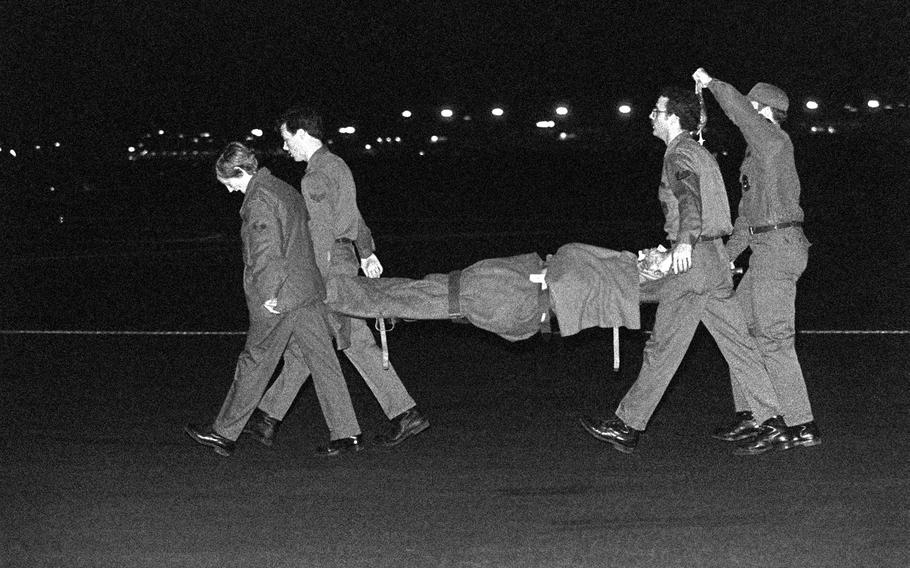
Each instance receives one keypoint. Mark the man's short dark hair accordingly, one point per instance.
(683, 103)
(302, 118)
(234, 160)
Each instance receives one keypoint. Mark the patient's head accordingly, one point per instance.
(653, 263)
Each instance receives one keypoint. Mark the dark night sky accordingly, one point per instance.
(105, 67)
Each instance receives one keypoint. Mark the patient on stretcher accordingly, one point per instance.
(582, 285)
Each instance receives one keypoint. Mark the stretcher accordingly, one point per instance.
(515, 297)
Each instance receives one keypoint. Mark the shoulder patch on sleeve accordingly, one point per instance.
(683, 174)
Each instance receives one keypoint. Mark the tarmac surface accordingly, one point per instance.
(95, 469)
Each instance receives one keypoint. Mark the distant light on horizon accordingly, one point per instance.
(434, 138)
(563, 135)
(12, 152)
(56, 144)
(561, 110)
(545, 124)
(257, 132)
(131, 149)
(398, 139)
(368, 147)
(497, 112)
(446, 113)
(347, 130)
(160, 132)
(873, 103)
(204, 134)
(811, 105)
(406, 113)
(625, 109)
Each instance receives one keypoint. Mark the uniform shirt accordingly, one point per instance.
(768, 173)
(692, 193)
(331, 198)
(278, 254)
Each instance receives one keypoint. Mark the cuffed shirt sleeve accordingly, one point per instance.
(739, 240)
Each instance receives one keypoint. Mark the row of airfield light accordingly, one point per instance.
(13, 153)
(562, 111)
(447, 113)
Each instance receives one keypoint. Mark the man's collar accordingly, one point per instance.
(253, 186)
(677, 139)
(315, 155)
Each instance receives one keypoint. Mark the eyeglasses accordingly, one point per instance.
(655, 111)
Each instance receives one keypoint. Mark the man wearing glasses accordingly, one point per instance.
(700, 288)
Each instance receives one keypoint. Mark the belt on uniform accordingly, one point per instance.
(344, 240)
(701, 239)
(767, 228)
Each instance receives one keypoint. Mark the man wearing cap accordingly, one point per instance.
(770, 223)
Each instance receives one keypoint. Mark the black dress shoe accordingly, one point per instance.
(262, 427)
(407, 424)
(614, 432)
(804, 435)
(204, 435)
(742, 428)
(335, 447)
(772, 435)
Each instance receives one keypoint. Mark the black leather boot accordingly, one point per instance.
(262, 427)
(407, 424)
(205, 435)
(772, 435)
(614, 432)
(336, 447)
(743, 427)
(804, 435)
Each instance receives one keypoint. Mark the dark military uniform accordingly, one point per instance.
(770, 223)
(279, 263)
(336, 226)
(696, 210)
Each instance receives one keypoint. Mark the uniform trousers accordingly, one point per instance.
(304, 338)
(767, 295)
(366, 357)
(703, 294)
